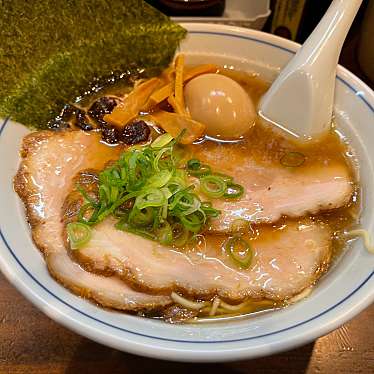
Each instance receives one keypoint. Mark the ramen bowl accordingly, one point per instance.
(342, 293)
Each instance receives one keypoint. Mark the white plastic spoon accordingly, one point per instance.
(300, 100)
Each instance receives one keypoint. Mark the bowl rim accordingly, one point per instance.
(193, 353)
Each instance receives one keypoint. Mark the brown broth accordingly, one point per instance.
(267, 146)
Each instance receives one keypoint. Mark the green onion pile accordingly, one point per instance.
(149, 191)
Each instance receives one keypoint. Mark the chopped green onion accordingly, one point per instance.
(160, 179)
(82, 214)
(207, 208)
(194, 222)
(196, 168)
(292, 159)
(141, 217)
(121, 212)
(163, 159)
(79, 234)
(165, 234)
(180, 234)
(166, 192)
(233, 191)
(177, 182)
(240, 251)
(86, 196)
(185, 203)
(152, 197)
(123, 225)
(193, 164)
(162, 141)
(150, 193)
(213, 186)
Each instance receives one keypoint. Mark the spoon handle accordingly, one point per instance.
(301, 99)
(323, 46)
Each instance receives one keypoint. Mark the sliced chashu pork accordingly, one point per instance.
(285, 262)
(272, 190)
(50, 160)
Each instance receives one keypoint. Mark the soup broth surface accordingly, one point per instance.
(268, 146)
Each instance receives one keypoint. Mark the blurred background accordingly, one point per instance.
(292, 19)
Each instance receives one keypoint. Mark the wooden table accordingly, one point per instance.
(32, 343)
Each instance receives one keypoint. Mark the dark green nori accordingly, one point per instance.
(51, 50)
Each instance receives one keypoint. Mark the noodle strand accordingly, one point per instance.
(364, 234)
(193, 305)
(215, 306)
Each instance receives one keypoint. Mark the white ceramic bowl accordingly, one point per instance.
(346, 290)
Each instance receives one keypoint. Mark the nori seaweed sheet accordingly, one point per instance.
(51, 50)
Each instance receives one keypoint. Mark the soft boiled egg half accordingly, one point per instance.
(221, 104)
